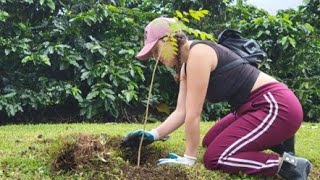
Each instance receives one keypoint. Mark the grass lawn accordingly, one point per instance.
(24, 148)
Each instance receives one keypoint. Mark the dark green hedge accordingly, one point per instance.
(75, 60)
(74, 53)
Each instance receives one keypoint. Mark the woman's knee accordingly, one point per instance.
(211, 159)
(217, 128)
(206, 141)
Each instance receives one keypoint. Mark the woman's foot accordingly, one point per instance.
(294, 168)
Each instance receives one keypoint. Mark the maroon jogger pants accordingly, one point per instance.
(237, 142)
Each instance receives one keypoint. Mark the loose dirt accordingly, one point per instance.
(102, 157)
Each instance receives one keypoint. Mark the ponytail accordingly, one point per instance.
(181, 38)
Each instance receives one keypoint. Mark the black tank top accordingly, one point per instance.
(232, 86)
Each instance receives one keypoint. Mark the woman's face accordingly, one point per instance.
(168, 57)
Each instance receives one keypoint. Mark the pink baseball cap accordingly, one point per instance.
(154, 31)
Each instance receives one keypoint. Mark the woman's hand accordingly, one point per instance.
(174, 159)
(133, 139)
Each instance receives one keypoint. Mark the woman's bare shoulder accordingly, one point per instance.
(205, 53)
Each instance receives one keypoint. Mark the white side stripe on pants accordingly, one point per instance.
(250, 161)
(263, 127)
(249, 166)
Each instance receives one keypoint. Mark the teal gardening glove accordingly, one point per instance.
(133, 138)
(174, 159)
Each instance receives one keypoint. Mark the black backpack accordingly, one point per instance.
(248, 49)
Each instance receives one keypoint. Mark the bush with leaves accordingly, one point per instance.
(79, 54)
(78, 57)
(292, 45)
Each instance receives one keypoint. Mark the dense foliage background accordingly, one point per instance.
(74, 60)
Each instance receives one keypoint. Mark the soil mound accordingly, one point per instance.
(101, 156)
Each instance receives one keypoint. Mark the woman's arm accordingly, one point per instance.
(202, 60)
(177, 117)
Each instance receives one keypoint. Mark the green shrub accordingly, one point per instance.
(77, 58)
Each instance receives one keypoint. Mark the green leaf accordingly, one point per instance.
(194, 15)
(292, 41)
(186, 20)
(259, 34)
(45, 59)
(89, 112)
(179, 14)
(51, 4)
(203, 36)
(130, 20)
(3, 15)
(29, 1)
(258, 21)
(204, 11)
(195, 33)
(200, 15)
(284, 40)
(129, 96)
(7, 51)
(102, 51)
(26, 59)
(92, 95)
(309, 27)
(112, 97)
(210, 37)
(10, 95)
(50, 50)
(169, 51)
(85, 75)
(113, 9)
